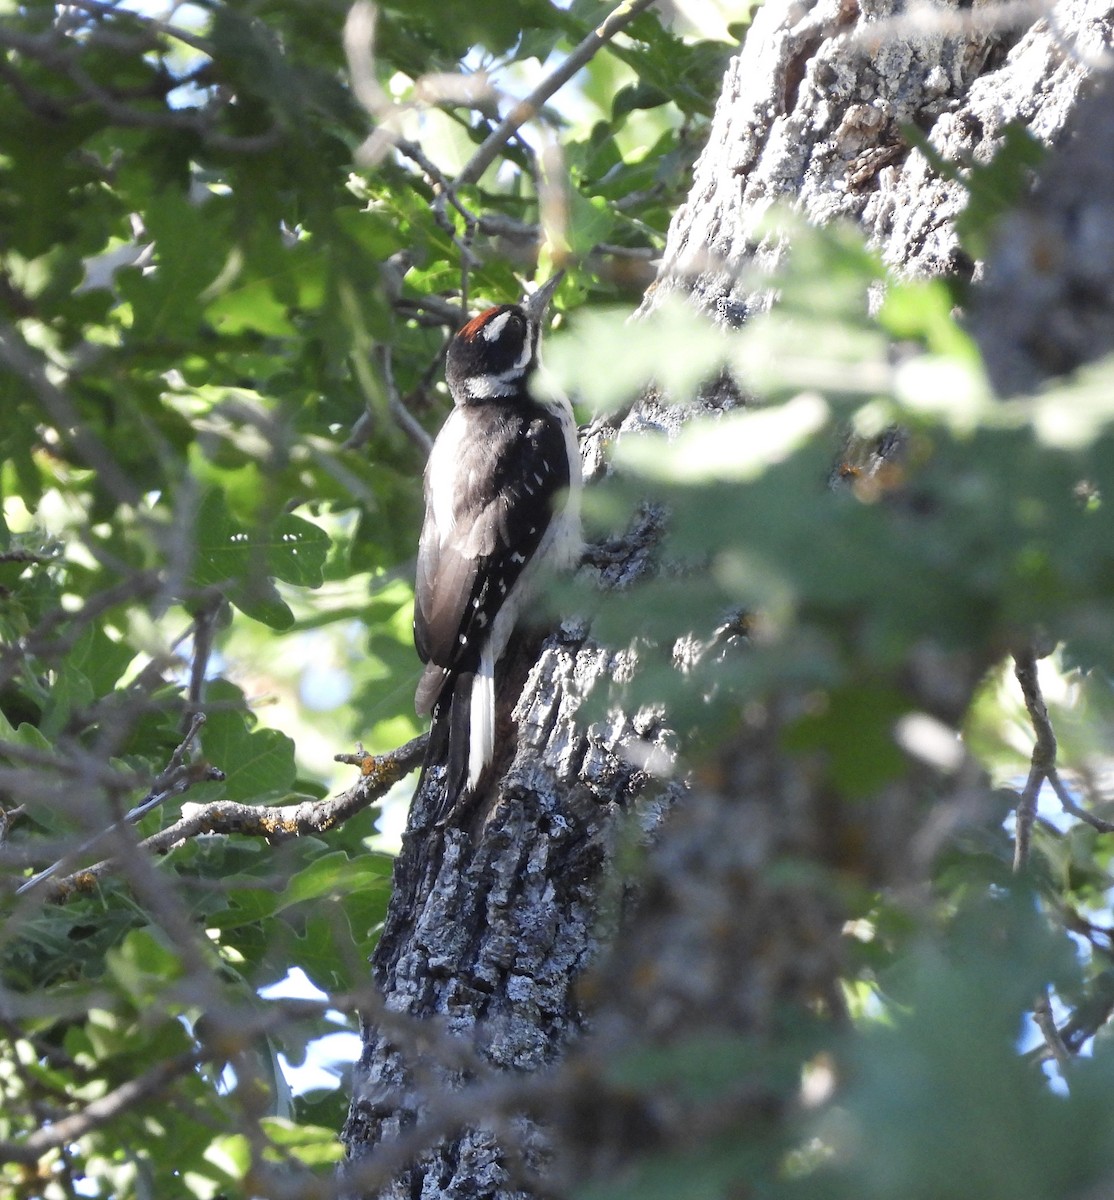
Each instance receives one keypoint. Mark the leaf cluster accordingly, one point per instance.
(221, 324)
(862, 549)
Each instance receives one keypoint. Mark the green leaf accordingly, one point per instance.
(100, 658)
(189, 248)
(333, 875)
(25, 735)
(242, 562)
(256, 764)
(996, 186)
(143, 966)
(309, 1144)
(855, 733)
(230, 1154)
(296, 551)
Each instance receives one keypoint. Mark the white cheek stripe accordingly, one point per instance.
(494, 327)
(524, 357)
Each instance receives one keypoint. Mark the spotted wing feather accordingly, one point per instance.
(500, 511)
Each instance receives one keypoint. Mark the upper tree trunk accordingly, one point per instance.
(495, 921)
(812, 112)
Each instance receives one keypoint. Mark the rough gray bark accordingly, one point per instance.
(495, 917)
(1047, 303)
(814, 112)
(497, 920)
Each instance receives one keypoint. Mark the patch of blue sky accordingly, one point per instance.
(190, 19)
(328, 1057)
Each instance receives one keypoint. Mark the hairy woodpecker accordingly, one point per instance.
(502, 498)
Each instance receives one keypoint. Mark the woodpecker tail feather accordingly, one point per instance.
(481, 731)
(457, 777)
(450, 746)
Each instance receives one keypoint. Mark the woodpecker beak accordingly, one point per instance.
(536, 304)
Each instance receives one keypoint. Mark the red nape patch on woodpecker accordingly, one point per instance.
(469, 331)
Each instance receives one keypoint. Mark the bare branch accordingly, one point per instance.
(157, 25)
(617, 20)
(399, 411)
(98, 1112)
(1046, 1023)
(43, 640)
(204, 626)
(229, 1028)
(379, 773)
(446, 196)
(26, 556)
(178, 777)
(418, 156)
(1026, 815)
(432, 310)
(57, 54)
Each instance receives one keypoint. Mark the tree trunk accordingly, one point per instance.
(1047, 304)
(819, 109)
(490, 956)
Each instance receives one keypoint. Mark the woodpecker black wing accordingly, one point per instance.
(492, 483)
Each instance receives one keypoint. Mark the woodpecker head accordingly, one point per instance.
(492, 356)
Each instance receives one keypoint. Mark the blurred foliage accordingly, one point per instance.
(216, 302)
(989, 532)
(221, 317)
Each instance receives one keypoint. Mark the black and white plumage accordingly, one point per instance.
(502, 495)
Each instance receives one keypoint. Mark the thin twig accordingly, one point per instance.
(405, 418)
(44, 642)
(1043, 759)
(1088, 1018)
(1070, 806)
(620, 17)
(157, 24)
(226, 1028)
(55, 54)
(1042, 764)
(1026, 816)
(445, 196)
(20, 358)
(1046, 1023)
(27, 556)
(436, 310)
(176, 779)
(204, 626)
(98, 1112)
(645, 254)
